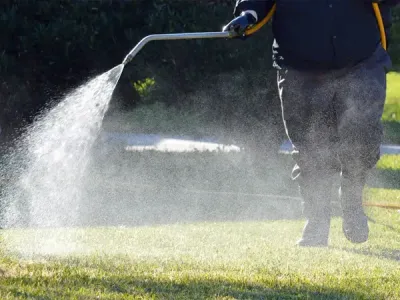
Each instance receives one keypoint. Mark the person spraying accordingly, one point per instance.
(331, 62)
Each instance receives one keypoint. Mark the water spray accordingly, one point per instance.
(56, 147)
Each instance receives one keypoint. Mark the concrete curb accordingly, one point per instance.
(287, 148)
(168, 143)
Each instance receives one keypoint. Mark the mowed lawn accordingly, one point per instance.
(245, 260)
(220, 260)
(391, 115)
(392, 105)
(389, 165)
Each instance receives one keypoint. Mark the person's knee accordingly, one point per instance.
(360, 140)
(315, 164)
(359, 157)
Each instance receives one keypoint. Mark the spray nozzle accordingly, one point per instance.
(127, 59)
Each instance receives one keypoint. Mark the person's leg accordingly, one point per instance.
(310, 123)
(361, 97)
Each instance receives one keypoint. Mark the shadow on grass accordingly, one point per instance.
(387, 226)
(386, 179)
(391, 132)
(120, 287)
(382, 253)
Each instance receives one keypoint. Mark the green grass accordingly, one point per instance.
(381, 195)
(387, 173)
(389, 162)
(248, 260)
(391, 114)
(392, 105)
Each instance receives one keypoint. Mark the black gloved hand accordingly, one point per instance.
(240, 24)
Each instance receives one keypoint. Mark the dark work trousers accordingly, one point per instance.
(333, 119)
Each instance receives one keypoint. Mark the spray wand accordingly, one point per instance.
(175, 36)
(232, 34)
(195, 35)
(251, 30)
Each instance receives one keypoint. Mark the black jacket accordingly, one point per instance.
(321, 34)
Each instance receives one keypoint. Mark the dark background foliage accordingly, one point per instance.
(51, 47)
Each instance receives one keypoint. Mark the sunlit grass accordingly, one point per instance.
(381, 195)
(393, 88)
(389, 162)
(253, 260)
(392, 105)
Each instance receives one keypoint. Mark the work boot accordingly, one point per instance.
(355, 222)
(317, 210)
(315, 234)
(355, 226)
(316, 184)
